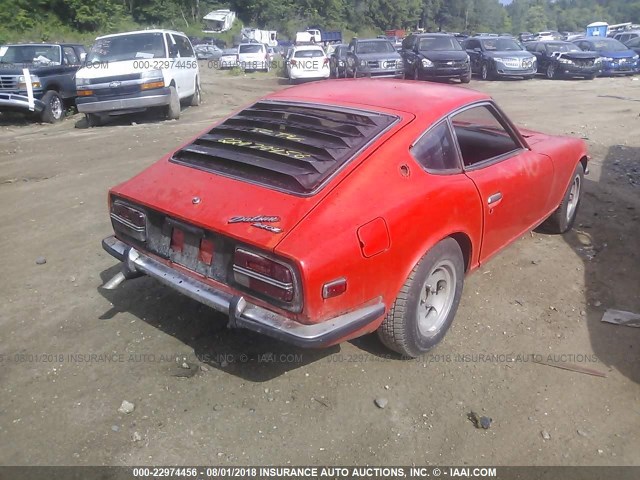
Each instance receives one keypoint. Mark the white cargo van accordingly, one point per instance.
(133, 71)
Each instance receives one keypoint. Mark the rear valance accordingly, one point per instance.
(292, 147)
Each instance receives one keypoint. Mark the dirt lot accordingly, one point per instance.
(257, 401)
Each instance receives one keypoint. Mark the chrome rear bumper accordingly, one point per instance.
(241, 313)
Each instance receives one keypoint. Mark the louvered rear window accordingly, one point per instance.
(292, 147)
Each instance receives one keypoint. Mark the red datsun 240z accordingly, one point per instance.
(330, 210)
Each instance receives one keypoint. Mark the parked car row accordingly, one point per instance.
(158, 69)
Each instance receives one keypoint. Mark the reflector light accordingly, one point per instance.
(334, 288)
(206, 251)
(177, 240)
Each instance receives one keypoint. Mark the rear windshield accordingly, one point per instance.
(291, 147)
(250, 48)
(308, 54)
(42, 54)
(562, 47)
(500, 44)
(127, 47)
(439, 43)
(608, 45)
(375, 47)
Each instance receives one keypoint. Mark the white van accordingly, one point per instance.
(133, 71)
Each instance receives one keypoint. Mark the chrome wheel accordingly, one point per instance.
(56, 107)
(574, 197)
(436, 298)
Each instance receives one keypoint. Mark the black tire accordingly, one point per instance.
(551, 72)
(173, 109)
(196, 99)
(93, 120)
(590, 77)
(401, 330)
(416, 73)
(465, 78)
(563, 218)
(485, 72)
(53, 107)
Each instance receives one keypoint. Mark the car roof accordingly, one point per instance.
(491, 37)
(434, 34)
(43, 44)
(151, 30)
(371, 39)
(308, 47)
(428, 101)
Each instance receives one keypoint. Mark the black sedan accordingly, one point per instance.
(558, 59)
(433, 56)
(338, 61)
(633, 44)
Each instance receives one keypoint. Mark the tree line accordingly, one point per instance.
(24, 19)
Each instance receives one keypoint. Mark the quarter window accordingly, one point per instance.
(436, 150)
(184, 47)
(482, 135)
(70, 56)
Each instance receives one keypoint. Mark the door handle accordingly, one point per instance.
(495, 198)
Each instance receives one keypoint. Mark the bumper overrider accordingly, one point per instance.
(241, 313)
(135, 101)
(17, 102)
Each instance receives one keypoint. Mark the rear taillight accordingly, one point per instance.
(263, 275)
(131, 221)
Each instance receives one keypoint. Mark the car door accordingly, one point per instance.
(513, 182)
(407, 51)
(71, 64)
(475, 55)
(540, 51)
(187, 65)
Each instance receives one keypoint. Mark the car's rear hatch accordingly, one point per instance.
(253, 177)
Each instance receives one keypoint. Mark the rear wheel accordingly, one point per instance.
(563, 218)
(53, 107)
(196, 98)
(173, 109)
(427, 303)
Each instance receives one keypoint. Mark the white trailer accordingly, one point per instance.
(219, 21)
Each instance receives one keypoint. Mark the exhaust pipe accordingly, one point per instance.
(127, 273)
(115, 282)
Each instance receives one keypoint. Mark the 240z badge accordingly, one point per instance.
(259, 221)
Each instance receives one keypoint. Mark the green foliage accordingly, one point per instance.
(82, 20)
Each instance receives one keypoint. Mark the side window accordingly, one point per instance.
(436, 150)
(70, 56)
(184, 46)
(171, 45)
(482, 135)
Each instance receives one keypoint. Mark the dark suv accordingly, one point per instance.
(493, 57)
(435, 55)
(373, 57)
(49, 88)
